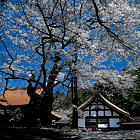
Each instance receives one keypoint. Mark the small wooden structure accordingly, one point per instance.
(131, 126)
(62, 124)
(99, 113)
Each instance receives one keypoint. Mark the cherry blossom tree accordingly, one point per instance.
(40, 39)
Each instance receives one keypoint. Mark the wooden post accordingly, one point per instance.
(75, 96)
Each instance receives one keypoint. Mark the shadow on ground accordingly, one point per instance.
(34, 134)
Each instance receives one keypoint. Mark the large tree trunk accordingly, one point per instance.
(75, 96)
(45, 100)
(40, 106)
(34, 105)
(47, 95)
(46, 108)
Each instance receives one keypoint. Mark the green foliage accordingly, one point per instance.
(84, 95)
(61, 101)
(131, 103)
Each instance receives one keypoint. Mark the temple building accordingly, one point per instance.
(99, 113)
(16, 101)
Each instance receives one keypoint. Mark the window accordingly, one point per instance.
(86, 113)
(100, 113)
(102, 120)
(107, 113)
(93, 113)
(113, 122)
(91, 121)
(115, 114)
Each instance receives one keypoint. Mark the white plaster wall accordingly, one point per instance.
(107, 113)
(113, 122)
(86, 113)
(101, 106)
(115, 114)
(102, 125)
(81, 122)
(106, 107)
(93, 106)
(87, 108)
(101, 113)
(93, 113)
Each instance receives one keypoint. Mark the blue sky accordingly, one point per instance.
(118, 65)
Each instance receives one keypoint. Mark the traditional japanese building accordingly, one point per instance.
(18, 99)
(99, 113)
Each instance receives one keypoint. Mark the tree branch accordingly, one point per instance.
(31, 23)
(12, 60)
(21, 78)
(50, 34)
(112, 34)
(44, 62)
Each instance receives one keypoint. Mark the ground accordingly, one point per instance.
(57, 134)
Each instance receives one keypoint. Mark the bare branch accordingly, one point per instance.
(50, 34)
(112, 34)
(12, 60)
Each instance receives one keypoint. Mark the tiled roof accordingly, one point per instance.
(15, 97)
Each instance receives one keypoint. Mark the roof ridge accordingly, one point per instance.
(106, 102)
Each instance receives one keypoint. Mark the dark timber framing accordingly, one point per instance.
(104, 119)
(100, 111)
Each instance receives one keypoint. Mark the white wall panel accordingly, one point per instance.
(107, 113)
(100, 103)
(106, 107)
(86, 112)
(93, 113)
(115, 114)
(102, 125)
(113, 122)
(93, 106)
(87, 108)
(101, 106)
(101, 113)
(81, 122)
